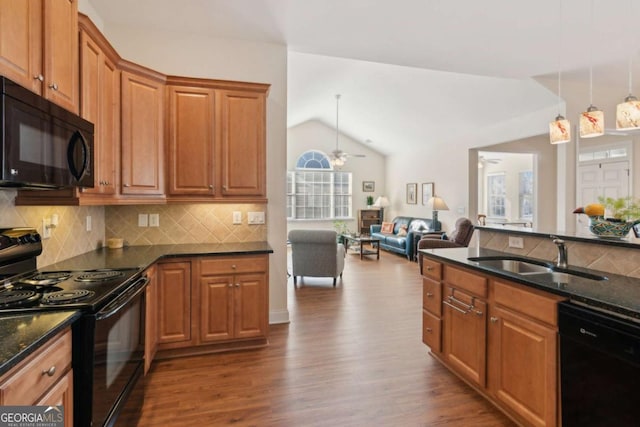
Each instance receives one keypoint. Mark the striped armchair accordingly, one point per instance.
(315, 253)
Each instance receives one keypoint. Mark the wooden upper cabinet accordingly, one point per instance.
(100, 104)
(39, 48)
(21, 42)
(142, 169)
(243, 143)
(191, 141)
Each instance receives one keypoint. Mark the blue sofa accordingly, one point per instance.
(402, 244)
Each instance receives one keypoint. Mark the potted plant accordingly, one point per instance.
(369, 201)
(341, 228)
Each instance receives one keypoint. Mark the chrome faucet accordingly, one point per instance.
(562, 252)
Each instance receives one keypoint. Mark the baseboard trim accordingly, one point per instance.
(276, 317)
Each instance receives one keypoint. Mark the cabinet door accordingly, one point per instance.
(243, 143)
(142, 129)
(191, 141)
(250, 306)
(464, 335)
(21, 42)
(61, 394)
(523, 366)
(174, 303)
(216, 308)
(100, 104)
(61, 53)
(151, 319)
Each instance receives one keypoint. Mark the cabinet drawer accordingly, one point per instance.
(431, 269)
(244, 264)
(25, 385)
(432, 296)
(467, 280)
(533, 303)
(431, 331)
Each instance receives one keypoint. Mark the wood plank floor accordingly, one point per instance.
(351, 356)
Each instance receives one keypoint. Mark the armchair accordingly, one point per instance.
(459, 237)
(315, 253)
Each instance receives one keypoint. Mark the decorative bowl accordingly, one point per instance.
(605, 227)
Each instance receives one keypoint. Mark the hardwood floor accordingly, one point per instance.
(351, 356)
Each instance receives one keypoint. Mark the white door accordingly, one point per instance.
(610, 179)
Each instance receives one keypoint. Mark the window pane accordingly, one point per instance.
(496, 196)
(526, 194)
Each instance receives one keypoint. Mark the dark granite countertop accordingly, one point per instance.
(618, 294)
(22, 334)
(142, 257)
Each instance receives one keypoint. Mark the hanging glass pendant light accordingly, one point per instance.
(560, 128)
(592, 120)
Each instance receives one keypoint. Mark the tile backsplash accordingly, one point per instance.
(610, 259)
(184, 223)
(69, 238)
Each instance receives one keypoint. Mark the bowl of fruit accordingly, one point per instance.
(624, 215)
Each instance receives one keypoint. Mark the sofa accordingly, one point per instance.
(458, 238)
(399, 242)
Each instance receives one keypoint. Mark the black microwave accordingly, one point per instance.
(43, 145)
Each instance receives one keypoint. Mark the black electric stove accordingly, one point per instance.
(23, 288)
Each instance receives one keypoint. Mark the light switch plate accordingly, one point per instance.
(237, 217)
(255, 217)
(154, 220)
(88, 222)
(46, 228)
(143, 220)
(516, 242)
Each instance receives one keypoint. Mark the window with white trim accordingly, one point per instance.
(315, 191)
(496, 197)
(525, 191)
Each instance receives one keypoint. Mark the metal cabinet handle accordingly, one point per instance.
(429, 268)
(457, 301)
(493, 319)
(429, 330)
(53, 86)
(50, 372)
(210, 187)
(233, 266)
(127, 185)
(429, 295)
(39, 77)
(237, 285)
(478, 312)
(455, 308)
(230, 285)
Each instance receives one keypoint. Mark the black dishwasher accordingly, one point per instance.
(599, 368)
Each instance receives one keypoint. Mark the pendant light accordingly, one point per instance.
(592, 120)
(628, 112)
(338, 157)
(560, 128)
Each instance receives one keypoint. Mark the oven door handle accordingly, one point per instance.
(114, 307)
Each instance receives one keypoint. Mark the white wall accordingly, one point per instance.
(194, 56)
(314, 135)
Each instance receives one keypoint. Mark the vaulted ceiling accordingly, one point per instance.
(413, 72)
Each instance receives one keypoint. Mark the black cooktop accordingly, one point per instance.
(54, 290)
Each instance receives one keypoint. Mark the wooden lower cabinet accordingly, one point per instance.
(213, 301)
(43, 378)
(151, 318)
(499, 336)
(174, 304)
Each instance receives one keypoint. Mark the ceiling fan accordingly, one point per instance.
(337, 156)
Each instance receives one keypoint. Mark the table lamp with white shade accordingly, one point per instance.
(381, 202)
(437, 204)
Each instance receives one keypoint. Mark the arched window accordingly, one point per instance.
(316, 191)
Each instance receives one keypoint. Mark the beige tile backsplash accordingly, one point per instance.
(611, 259)
(190, 223)
(194, 223)
(68, 239)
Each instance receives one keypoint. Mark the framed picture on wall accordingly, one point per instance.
(368, 186)
(412, 190)
(427, 192)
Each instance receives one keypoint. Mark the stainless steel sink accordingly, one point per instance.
(514, 265)
(537, 270)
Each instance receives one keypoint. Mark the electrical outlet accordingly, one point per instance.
(516, 242)
(255, 217)
(237, 217)
(154, 220)
(143, 220)
(88, 221)
(46, 228)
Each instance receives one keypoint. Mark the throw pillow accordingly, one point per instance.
(402, 231)
(387, 227)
